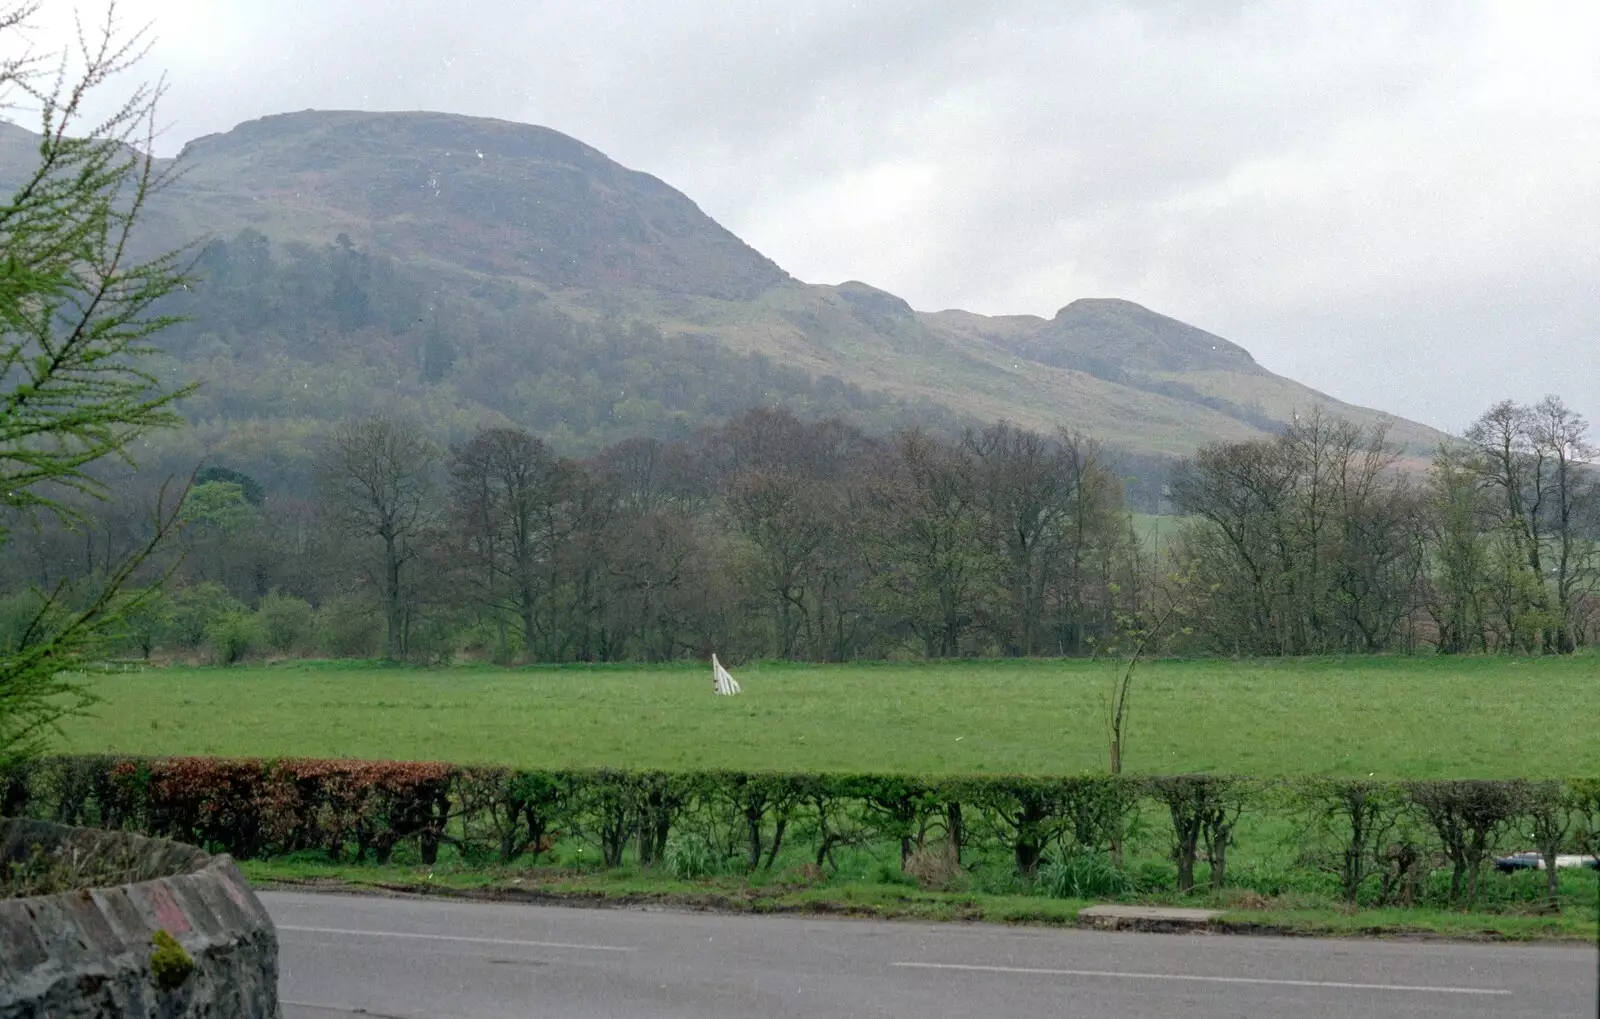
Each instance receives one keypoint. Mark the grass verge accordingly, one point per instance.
(794, 892)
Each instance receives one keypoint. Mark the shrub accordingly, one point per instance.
(219, 805)
(1204, 809)
(1083, 874)
(19, 621)
(433, 635)
(234, 637)
(1548, 811)
(515, 812)
(170, 965)
(1346, 825)
(935, 868)
(1584, 797)
(1469, 817)
(694, 857)
(195, 609)
(286, 622)
(372, 805)
(1029, 812)
(608, 804)
(698, 824)
(896, 804)
(349, 627)
(253, 808)
(149, 623)
(1152, 876)
(661, 797)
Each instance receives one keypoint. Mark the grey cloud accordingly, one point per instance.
(1388, 201)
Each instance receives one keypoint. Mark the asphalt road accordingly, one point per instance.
(430, 959)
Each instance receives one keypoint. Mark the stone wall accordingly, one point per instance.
(81, 938)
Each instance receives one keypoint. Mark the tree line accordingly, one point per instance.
(767, 536)
(1321, 540)
(773, 536)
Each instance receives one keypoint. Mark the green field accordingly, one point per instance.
(1158, 532)
(1397, 718)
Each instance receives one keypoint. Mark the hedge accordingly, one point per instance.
(1377, 841)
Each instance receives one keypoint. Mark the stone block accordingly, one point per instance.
(86, 952)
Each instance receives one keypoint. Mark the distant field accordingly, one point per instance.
(1421, 717)
(1158, 531)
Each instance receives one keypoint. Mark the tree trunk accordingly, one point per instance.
(1028, 853)
(1219, 863)
(527, 630)
(954, 830)
(1185, 873)
(777, 841)
(391, 563)
(1552, 878)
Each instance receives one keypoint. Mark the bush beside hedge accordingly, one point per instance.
(1377, 841)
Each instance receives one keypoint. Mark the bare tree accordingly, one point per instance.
(506, 492)
(1101, 563)
(1378, 557)
(789, 521)
(1144, 636)
(650, 474)
(1512, 466)
(1457, 555)
(1537, 463)
(663, 578)
(931, 562)
(1240, 490)
(376, 479)
(1562, 436)
(1027, 490)
(589, 525)
(1313, 540)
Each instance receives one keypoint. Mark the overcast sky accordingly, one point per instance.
(1397, 203)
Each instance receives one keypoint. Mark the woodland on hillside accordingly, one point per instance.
(289, 339)
(299, 335)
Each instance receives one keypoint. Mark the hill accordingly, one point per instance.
(472, 270)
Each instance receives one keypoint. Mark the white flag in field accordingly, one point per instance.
(726, 684)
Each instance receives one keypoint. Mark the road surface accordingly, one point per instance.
(345, 956)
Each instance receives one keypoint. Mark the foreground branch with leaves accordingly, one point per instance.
(77, 311)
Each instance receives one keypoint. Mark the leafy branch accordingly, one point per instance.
(77, 311)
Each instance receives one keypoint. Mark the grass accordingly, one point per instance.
(795, 891)
(1157, 532)
(787, 893)
(1416, 717)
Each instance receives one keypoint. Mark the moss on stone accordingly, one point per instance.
(170, 965)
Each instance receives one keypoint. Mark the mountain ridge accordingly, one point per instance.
(499, 214)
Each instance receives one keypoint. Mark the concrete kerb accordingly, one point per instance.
(87, 952)
(1148, 918)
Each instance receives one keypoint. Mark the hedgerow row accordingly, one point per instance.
(1379, 839)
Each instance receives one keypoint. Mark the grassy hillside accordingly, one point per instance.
(475, 222)
(1485, 717)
